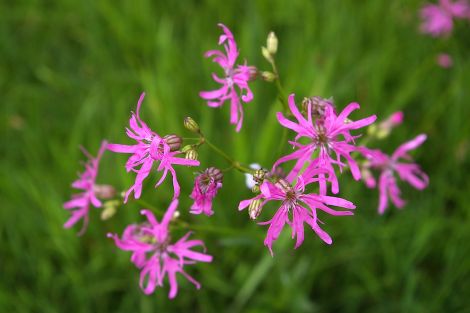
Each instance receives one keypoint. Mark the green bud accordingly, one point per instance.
(255, 189)
(191, 125)
(254, 209)
(109, 209)
(268, 76)
(259, 175)
(191, 154)
(186, 148)
(272, 43)
(266, 54)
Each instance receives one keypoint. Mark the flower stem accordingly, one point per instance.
(280, 89)
(233, 163)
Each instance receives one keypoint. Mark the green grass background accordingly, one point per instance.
(70, 72)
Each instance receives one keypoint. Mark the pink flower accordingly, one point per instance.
(234, 76)
(389, 166)
(150, 148)
(155, 255)
(328, 136)
(437, 18)
(444, 60)
(297, 208)
(205, 189)
(87, 182)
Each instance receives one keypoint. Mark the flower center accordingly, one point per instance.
(229, 76)
(321, 137)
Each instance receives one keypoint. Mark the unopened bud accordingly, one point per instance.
(109, 209)
(259, 175)
(104, 191)
(266, 54)
(268, 76)
(272, 43)
(254, 209)
(386, 126)
(186, 148)
(215, 173)
(174, 141)
(191, 154)
(317, 106)
(191, 125)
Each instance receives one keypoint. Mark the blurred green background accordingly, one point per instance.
(70, 73)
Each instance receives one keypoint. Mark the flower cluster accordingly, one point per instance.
(326, 142)
(438, 18)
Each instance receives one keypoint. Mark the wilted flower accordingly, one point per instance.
(91, 191)
(234, 76)
(324, 135)
(297, 208)
(150, 148)
(155, 255)
(389, 166)
(205, 189)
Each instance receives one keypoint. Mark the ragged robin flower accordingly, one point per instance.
(150, 148)
(234, 81)
(156, 256)
(80, 203)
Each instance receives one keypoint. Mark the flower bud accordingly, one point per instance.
(266, 54)
(272, 43)
(104, 191)
(109, 209)
(317, 106)
(259, 175)
(215, 173)
(254, 209)
(191, 154)
(186, 148)
(191, 125)
(386, 126)
(268, 76)
(174, 141)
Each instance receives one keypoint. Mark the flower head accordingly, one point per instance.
(329, 136)
(205, 189)
(235, 77)
(297, 207)
(150, 148)
(155, 255)
(389, 166)
(90, 191)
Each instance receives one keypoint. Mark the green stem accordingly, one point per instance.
(185, 225)
(232, 162)
(280, 89)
